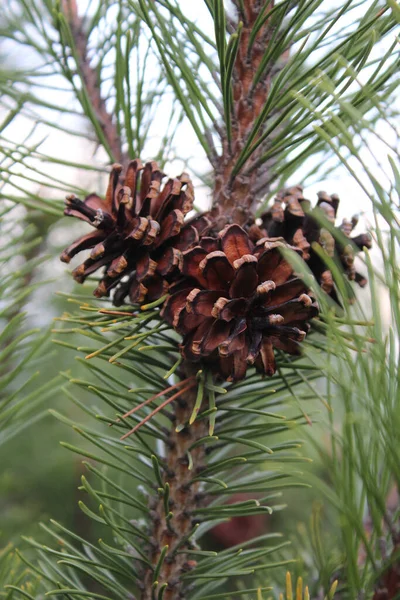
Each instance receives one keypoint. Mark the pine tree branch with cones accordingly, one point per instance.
(209, 330)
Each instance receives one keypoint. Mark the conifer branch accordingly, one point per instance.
(91, 81)
(235, 195)
(180, 497)
(160, 458)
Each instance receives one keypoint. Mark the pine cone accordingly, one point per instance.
(236, 302)
(139, 232)
(291, 217)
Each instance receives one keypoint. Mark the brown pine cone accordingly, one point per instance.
(236, 302)
(291, 217)
(139, 232)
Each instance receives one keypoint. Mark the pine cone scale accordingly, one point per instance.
(246, 279)
(83, 243)
(216, 270)
(235, 243)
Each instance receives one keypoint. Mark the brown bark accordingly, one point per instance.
(91, 80)
(183, 498)
(234, 201)
(235, 195)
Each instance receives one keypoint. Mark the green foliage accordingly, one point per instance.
(20, 344)
(236, 461)
(363, 454)
(133, 92)
(358, 452)
(340, 59)
(23, 581)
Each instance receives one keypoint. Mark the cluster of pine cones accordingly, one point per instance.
(230, 293)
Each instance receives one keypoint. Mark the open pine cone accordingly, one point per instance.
(291, 217)
(236, 302)
(139, 232)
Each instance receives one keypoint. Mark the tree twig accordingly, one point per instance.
(174, 529)
(91, 81)
(236, 195)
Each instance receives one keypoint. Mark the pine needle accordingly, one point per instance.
(162, 393)
(156, 410)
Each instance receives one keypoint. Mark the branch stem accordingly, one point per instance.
(235, 195)
(91, 82)
(172, 510)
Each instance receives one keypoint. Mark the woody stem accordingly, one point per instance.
(91, 82)
(235, 194)
(173, 529)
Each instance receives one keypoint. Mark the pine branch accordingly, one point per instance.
(20, 395)
(235, 195)
(172, 512)
(170, 460)
(91, 81)
(172, 476)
